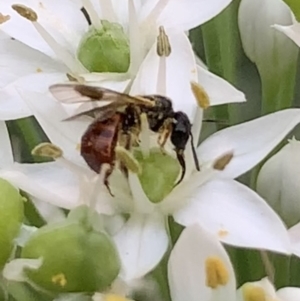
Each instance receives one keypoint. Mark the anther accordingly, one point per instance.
(4, 18)
(253, 293)
(47, 149)
(113, 297)
(163, 45)
(216, 272)
(128, 160)
(200, 95)
(59, 279)
(223, 161)
(25, 12)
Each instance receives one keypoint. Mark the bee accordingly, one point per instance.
(119, 122)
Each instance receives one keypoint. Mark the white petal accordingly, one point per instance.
(48, 182)
(14, 269)
(18, 60)
(63, 20)
(289, 294)
(177, 84)
(189, 13)
(250, 142)
(187, 267)
(219, 90)
(236, 215)
(50, 115)
(6, 155)
(294, 234)
(12, 105)
(278, 182)
(142, 242)
(49, 212)
(292, 31)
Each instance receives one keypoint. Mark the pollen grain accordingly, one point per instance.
(59, 279)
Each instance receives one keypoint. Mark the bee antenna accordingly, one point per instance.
(194, 153)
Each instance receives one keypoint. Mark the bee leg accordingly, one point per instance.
(164, 135)
(106, 176)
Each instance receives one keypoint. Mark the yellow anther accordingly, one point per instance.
(216, 272)
(38, 70)
(254, 293)
(25, 12)
(163, 44)
(128, 159)
(223, 233)
(4, 18)
(223, 161)
(59, 279)
(200, 95)
(47, 149)
(112, 297)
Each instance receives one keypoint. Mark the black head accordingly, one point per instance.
(179, 137)
(162, 110)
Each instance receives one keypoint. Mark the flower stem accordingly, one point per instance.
(220, 37)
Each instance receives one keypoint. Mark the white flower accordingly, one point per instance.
(271, 51)
(264, 290)
(292, 31)
(54, 40)
(278, 182)
(200, 269)
(233, 213)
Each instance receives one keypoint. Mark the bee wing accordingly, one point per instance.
(101, 113)
(76, 93)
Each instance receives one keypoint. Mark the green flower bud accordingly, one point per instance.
(11, 208)
(105, 49)
(76, 258)
(159, 173)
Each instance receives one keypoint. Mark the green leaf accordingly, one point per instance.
(295, 7)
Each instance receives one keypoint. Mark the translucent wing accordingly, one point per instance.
(76, 93)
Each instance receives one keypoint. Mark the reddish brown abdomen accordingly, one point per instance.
(99, 141)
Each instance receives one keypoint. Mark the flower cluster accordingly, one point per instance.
(124, 190)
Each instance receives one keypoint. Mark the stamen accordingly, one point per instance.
(128, 160)
(60, 52)
(145, 136)
(134, 39)
(200, 95)
(25, 12)
(163, 50)
(4, 18)
(223, 161)
(95, 19)
(107, 10)
(59, 279)
(216, 272)
(253, 293)
(47, 149)
(163, 44)
(156, 11)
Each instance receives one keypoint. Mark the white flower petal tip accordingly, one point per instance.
(219, 90)
(289, 294)
(292, 31)
(236, 215)
(205, 265)
(142, 242)
(257, 290)
(250, 142)
(294, 234)
(14, 269)
(278, 182)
